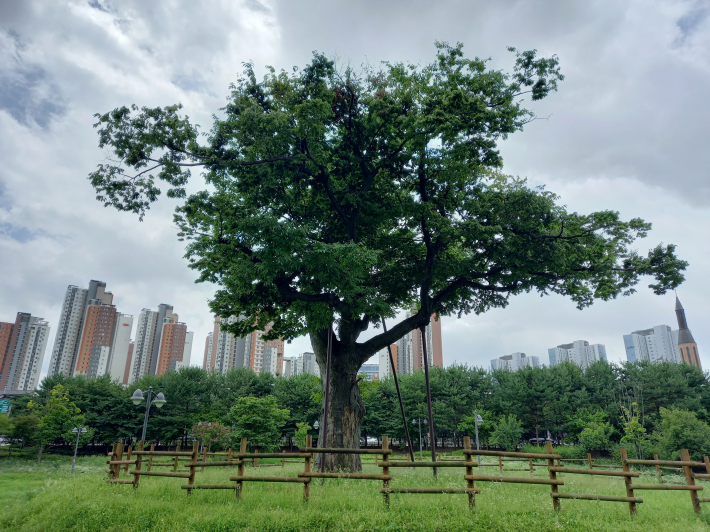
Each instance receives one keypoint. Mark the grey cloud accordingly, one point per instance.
(26, 91)
(690, 22)
(18, 233)
(192, 82)
(258, 7)
(96, 4)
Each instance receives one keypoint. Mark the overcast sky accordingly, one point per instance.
(628, 130)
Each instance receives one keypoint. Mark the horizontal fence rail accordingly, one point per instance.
(384, 460)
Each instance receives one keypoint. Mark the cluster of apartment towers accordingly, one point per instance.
(224, 351)
(93, 339)
(657, 344)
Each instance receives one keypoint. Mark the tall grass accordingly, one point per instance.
(46, 497)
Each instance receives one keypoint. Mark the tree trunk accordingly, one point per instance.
(39, 454)
(346, 409)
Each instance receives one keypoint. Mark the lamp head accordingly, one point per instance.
(137, 397)
(159, 400)
(316, 425)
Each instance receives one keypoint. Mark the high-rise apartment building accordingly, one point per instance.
(385, 367)
(22, 347)
(289, 365)
(306, 363)
(187, 352)
(661, 343)
(120, 347)
(263, 355)
(653, 345)
(514, 362)
(159, 344)
(70, 330)
(95, 342)
(687, 347)
(172, 346)
(129, 363)
(410, 353)
(579, 352)
(224, 351)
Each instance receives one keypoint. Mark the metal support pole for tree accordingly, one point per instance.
(399, 394)
(432, 436)
(79, 430)
(421, 451)
(326, 398)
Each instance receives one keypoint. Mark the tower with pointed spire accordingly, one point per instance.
(686, 343)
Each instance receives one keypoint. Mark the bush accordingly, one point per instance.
(507, 433)
(681, 429)
(300, 434)
(596, 436)
(259, 419)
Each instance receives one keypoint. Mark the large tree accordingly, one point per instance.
(343, 196)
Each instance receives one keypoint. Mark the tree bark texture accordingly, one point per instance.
(346, 409)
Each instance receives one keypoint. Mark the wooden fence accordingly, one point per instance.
(306, 455)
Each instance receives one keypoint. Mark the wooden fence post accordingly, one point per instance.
(175, 464)
(469, 471)
(150, 457)
(113, 456)
(688, 470)
(204, 455)
(130, 448)
(627, 480)
(240, 469)
(553, 475)
(139, 461)
(283, 460)
(256, 451)
(307, 469)
(589, 460)
(193, 466)
(531, 466)
(386, 470)
(658, 470)
(119, 456)
(500, 465)
(229, 456)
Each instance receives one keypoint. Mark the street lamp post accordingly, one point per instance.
(78, 431)
(421, 452)
(477, 420)
(159, 401)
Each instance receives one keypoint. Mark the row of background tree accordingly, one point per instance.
(605, 404)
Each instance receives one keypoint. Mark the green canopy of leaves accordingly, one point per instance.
(260, 420)
(344, 195)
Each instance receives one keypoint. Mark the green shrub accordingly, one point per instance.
(259, 419)
(681, 429)
(507, 433)
(596, 436)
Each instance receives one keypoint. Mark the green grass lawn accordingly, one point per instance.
(47, 497)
